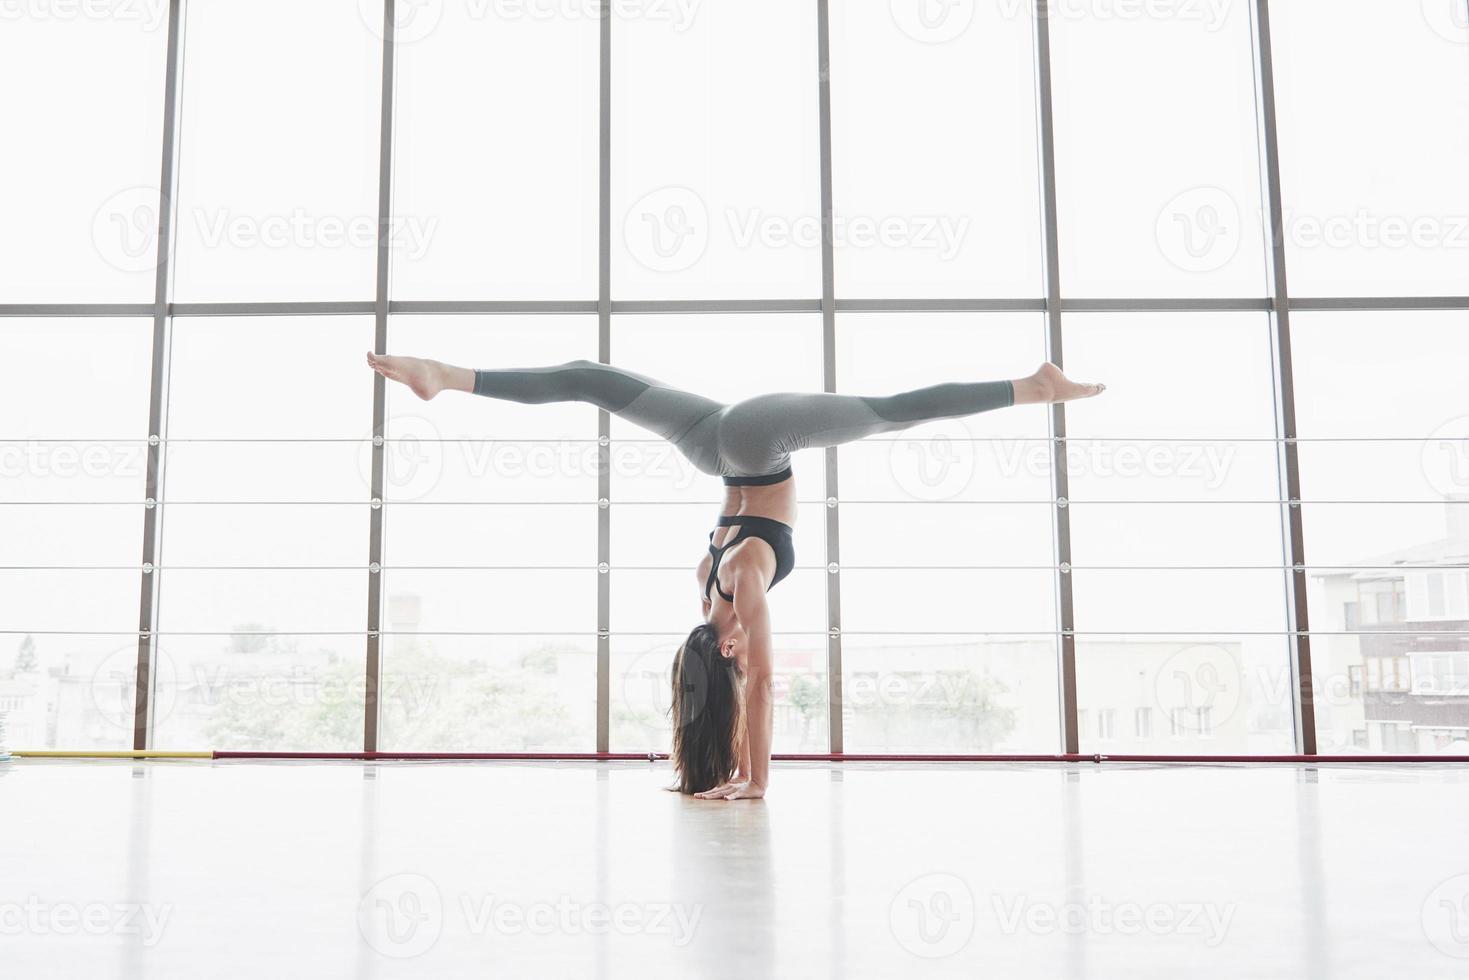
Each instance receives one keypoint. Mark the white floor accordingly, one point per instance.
(278, 870)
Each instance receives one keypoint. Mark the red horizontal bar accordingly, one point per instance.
(834, 757)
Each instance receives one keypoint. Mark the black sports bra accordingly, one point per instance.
(775, 533)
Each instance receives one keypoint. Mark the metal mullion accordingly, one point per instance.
(451, 307)
(288, 308)
(77, 309)
(1288, 463)
(158, 383)
(828, 383)
(372, 702)
(604, 355)
(1060, 486)
(1370, 303)
(520, 307)
(717, 306)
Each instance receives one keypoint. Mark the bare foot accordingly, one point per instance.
(1049, 385)
(426, 378)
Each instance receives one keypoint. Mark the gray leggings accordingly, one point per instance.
(749, 438)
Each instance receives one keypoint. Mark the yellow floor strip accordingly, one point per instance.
(99, 754)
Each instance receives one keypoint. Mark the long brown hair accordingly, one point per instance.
(706, 712)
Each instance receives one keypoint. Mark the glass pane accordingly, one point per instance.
(79, 183)
(1175, 531)
(64, 446)
(278, 178)
(715, 189)
(953, 694)
(489, 693)
(1156, 164)
(931, 201)
(1373, 161)
(962, 561)
(278, 692)
(462, 448)
(504, 207)
(264, 533)
(641, 683)
(462, 556)
(1378, 405)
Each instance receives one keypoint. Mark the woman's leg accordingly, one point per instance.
(757, 436)
(667, 412)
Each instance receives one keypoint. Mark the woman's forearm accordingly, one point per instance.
(759, 719)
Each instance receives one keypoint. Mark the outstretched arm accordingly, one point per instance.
(754, 616)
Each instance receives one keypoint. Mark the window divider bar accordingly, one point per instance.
(1287, 460)
(462, 307)
(158, 382)
(1060, 487)
(834, 700)
(604, 355)
(372, 702)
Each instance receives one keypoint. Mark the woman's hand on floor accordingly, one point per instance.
(721, 791)
(748, 790)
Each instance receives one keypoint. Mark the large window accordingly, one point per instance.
(200, 477)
